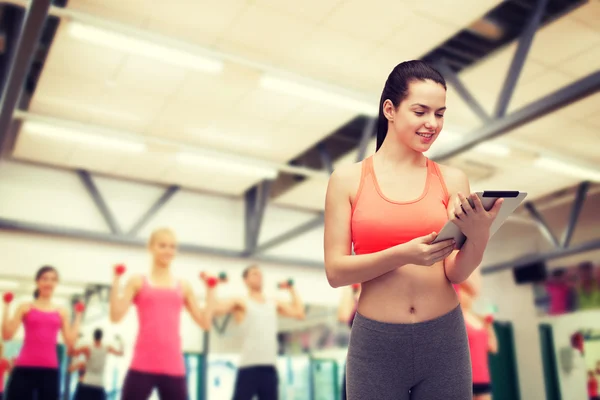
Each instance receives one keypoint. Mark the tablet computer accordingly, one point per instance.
(512, 199)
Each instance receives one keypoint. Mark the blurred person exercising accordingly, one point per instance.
(482, 341)
(91, 385)
(159, 299)
(257, 316)
(36, 373)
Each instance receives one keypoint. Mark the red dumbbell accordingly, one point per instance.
(79, 307)
(355, 287)
(211, 281)
(120, 269)
(8, 297)
(489, 319)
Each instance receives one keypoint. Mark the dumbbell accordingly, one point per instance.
(211, 281)
(120, 269)
(8, 297)
(286, 284)
(489, 319)
(355, 287)
(79, 307)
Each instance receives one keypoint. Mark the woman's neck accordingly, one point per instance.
(393, 151)
(44, 300)
(161, 274)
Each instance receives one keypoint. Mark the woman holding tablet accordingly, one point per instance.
(408, 337)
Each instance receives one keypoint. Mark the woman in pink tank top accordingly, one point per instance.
(159, 299)
(36, 374)
(482, 341)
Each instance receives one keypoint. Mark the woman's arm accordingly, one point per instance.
(119, 305)
(70, 331)
(343, 268)
(346, 306)
(475, 223)
(202, 316)
(492, 338)
(10, 325)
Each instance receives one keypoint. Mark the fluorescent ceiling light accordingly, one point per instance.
(6, 284)
(494, 149)
(317, 95)
(227, 164)
(143, 48)
(72, 135)
(564, 168)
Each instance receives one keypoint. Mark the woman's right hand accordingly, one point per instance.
(420, 251)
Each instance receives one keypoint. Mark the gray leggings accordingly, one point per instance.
(422, 361)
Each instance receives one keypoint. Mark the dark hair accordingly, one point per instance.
(247, 270)
(98, 334)
(396, 88)
(40, 272)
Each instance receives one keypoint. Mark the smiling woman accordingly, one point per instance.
(36, 373)
(408, 337)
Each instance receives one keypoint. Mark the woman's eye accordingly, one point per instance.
(440, 115)
(419, 112)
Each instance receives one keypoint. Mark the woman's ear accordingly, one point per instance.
(389, 110)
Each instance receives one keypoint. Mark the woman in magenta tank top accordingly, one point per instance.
(36, 374)
(159, 299)
(482, 341)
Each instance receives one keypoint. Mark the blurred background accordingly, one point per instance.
(223, 119)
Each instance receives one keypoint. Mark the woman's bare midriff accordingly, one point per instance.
(409, 294)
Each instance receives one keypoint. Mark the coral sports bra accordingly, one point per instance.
(379, 223)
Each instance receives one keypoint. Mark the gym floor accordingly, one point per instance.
(223, 120)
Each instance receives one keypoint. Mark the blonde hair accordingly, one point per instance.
(158, 232)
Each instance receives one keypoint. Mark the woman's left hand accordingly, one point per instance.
(474, 222)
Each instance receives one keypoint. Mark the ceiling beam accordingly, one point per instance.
(124, 240)
(29, 37)
(569, 94)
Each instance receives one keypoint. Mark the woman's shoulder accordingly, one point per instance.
(348, 171)
(454, 177)
(347, 177)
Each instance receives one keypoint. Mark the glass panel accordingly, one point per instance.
(220, 379)
(325, 375)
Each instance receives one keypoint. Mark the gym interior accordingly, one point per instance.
(223, 121)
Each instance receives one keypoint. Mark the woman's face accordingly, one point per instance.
(163, 248)
(47, 283)
(419, 119)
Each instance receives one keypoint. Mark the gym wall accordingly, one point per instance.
(56, 197)
(516, 302)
